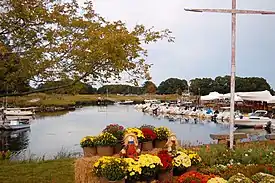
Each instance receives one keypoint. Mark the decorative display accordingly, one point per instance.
(172, 144)
(130, 149)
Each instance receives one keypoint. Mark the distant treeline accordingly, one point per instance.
(198, 86)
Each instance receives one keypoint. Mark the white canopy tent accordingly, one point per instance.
(272, 100)
(263, 96)
(236, 97)
(212, 96)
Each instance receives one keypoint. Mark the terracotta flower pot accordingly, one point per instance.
(160, 143)
(147, 146)
(166, 176)
(105, 150)
(89, 151)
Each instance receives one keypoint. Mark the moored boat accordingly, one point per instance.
(126, 102)
(15, 125)
(258, 119)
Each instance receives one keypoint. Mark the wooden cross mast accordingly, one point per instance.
(233, 12)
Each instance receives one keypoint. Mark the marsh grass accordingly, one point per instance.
(61, 100)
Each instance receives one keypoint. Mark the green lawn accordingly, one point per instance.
(55, 171)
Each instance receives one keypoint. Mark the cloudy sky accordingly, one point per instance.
(203, 40)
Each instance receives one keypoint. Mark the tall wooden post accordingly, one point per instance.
(234, 13)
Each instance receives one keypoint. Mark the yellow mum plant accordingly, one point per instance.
(136, 131)
(162, 133)
(181, 160)
(111, 168)
(133, 170)
(145, 167)
(195, 158)
(150, 165)
(88, 141)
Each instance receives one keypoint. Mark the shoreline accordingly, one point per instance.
(59, 102)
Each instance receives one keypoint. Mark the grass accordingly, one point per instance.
(60, 100)
(52, 171)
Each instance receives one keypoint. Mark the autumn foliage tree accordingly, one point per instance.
(54, 40)
(149, 87)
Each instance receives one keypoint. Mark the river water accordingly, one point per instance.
(50, 135)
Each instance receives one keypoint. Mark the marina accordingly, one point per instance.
(50, 135)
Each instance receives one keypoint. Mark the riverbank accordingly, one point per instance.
(57, 102)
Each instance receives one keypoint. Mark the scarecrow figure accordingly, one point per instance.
(172, 144)
(130, 149)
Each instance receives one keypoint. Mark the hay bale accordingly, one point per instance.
(84, 167)
(83, 170)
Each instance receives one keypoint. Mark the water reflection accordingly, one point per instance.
(14, 141)
(52, 114)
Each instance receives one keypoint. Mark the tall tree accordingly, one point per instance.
(202, 86)
(56, 40)
(149, 87)
(222, 84)
(172, 86)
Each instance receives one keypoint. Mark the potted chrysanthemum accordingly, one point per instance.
(117, 131)
(133, 170)
(149, 137)
(162, 134)
(138, 133)
(165, 173)
(110, 169)
(194, 157)
(88, 145)
(181, 162)
(105, 143)
(149, 165)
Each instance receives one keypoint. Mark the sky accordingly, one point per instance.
(202, 45)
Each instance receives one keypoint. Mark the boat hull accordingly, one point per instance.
(250, 123)
(15, 127)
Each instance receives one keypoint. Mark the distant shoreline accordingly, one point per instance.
(60, 102)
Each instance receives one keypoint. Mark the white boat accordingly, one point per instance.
(257, 119)
(17, 112)
(225, 114)
(15, 125)
(126, 102)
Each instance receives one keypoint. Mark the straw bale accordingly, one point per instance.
(84, 166)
